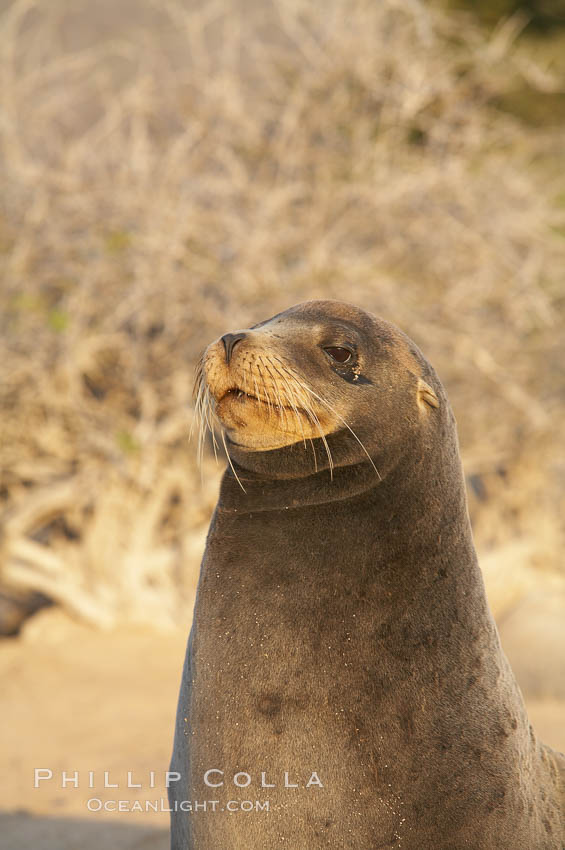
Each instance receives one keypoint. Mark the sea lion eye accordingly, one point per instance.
(340, 355)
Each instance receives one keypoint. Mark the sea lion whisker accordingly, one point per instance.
(264, 385)
(230, 461)
(289, 381)
(272, 386)
(198, 373)
(314, 418)
(270, 402)
(311, 439)
(257, 390)
(202, 413)
(312, 413)
(331, 408)
(202, 428)
(289, 394)
(197, 392)
(281, 406)
(207, 424)
(287, 377)
(198, 418)
(325, 442)
(213, 419)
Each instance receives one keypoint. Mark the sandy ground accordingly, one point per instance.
(78, 700)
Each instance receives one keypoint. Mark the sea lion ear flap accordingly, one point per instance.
(426, 395)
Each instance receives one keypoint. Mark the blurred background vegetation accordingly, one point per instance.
(173, 170)
(545, 16)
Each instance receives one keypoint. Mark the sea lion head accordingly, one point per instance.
(322, 385)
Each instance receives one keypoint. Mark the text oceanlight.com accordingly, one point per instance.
(163, 805)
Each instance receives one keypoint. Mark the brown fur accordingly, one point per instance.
(341, 624)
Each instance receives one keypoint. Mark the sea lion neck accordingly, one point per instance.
(423, 490)
(298, 475)
(251, 492)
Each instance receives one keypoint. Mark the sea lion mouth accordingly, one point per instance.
(239, 395)
(260, 400)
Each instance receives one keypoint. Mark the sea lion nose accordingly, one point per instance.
(230, 341)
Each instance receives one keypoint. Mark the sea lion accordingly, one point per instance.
(343, 665)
